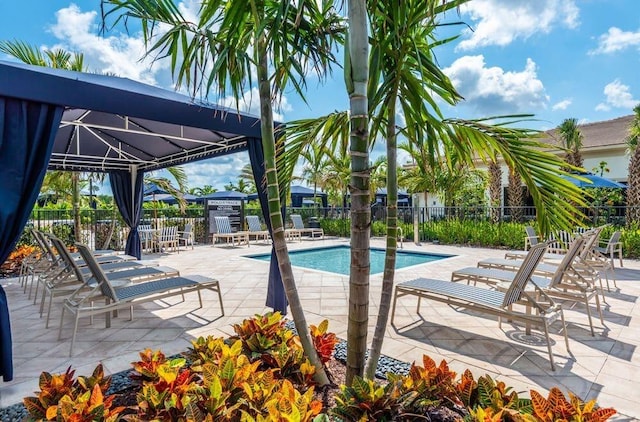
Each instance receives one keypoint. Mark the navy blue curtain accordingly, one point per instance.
(27, 132)
(131, 210)
(276, 296)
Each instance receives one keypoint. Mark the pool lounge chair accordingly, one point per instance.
(85, 303)
(255, 228)
(298, 226)
(226, 233)
(568, 282)
(493, 302)
(73, 276)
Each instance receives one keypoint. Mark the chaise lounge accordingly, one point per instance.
(493, 302)
(83, 302)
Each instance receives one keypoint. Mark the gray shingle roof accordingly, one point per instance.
(599, 134)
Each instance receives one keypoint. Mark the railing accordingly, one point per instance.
(106, 229)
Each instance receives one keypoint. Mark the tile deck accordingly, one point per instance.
(605, 367)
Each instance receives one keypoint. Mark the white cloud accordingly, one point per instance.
(119, 54)
(617, 96)
(562, 105)
(500, 22)
(250, 103)
(616, 39)
(492, 90)
(216, 172)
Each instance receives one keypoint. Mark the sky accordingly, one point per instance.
(555, 59)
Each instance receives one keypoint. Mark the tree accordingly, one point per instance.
(246, 176)
(241, 186)
(179, 176)
(633, 182)
(283, 40)
(571, 139)
(495, 190)
(312, 172)
(202, 190)
(514, 193)
(59, 59)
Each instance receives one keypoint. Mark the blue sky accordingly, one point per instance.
(552, 58)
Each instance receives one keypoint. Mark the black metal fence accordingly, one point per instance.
(105, 228)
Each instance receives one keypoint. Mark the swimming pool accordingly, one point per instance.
(337, 259)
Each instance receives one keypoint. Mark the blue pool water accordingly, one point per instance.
(337, 259)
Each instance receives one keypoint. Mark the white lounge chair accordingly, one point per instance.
(568, 282)
(84, 302)
(73, 276)
(255, 228)
(531, 238)
(298, 226)
(493, 302)
(226, 233)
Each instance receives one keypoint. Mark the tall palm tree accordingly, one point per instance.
(407, 74)
(59, 59)
(633, 181)
(202, 190)
(316, 161)
(246, 175)
(516, 199)
(495, 190)
(571, 139)
(179, 176)
(283, 40)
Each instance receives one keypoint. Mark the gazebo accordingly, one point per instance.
(63, 120)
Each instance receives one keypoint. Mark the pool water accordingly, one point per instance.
(337, 259)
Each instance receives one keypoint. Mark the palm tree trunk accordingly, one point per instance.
(279, 241)
(356, 77)
(75, 198)
(392, 243)
(495, 191)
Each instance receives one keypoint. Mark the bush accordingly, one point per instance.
(259, 375)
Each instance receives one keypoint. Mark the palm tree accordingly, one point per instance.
(247, 179)
(179, 176)
(312, 172)
(571, 139)
(202, 190)
(495, 190)
(633, 183)
(516, 200)
(59, 59)
(404, 72)
(283, 40)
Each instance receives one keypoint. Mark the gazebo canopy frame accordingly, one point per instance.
(63, 120)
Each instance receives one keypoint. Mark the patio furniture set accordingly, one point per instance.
(100, 282)
(224, 231)
(166, 238)
(529, 287)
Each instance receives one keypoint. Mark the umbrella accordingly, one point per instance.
(153, 189)
(596, 181)
(169, 199)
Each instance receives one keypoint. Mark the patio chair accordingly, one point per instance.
(569, 281)
(611, 248)
(298, 225)
(167, 238)
(226, 233)
(255, 228)
(74, 276)
(186, 236)
(146, 236)
(531, 238)
(84, 303)
(492, 302)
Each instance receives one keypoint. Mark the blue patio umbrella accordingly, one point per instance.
(170, 199)
(153, 189)
(596, 181)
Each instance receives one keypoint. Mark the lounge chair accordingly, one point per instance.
(255, 228)
(83, 302)
(492, 302)
(73, 276)
(568, 282)
(298, 226)
(226, 233)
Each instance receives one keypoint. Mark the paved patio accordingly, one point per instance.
(605, 367)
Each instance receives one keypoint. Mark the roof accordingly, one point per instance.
(607, 133)
(111, 123)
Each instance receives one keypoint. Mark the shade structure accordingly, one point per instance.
(225, 194)
(153, 189)
(300, 193)
(101, 123)
(170, 199)
(594, 181)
